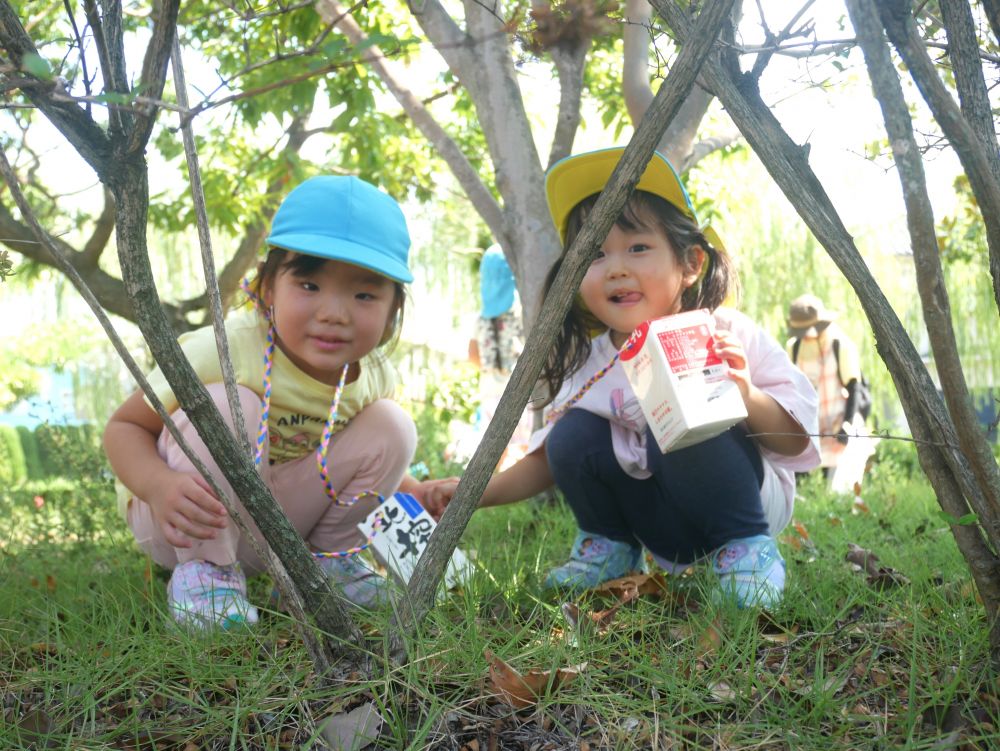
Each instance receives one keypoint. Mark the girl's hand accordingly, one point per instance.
(185, 509)
(435, 495)
(730, 349)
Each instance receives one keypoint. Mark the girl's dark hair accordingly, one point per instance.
(284, 261)
(643, 210)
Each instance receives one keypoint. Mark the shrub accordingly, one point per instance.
(451, 396)
(29, 445)
(12, 466)
(70, 451)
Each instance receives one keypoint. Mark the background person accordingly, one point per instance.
(829, 358)
(494, 349)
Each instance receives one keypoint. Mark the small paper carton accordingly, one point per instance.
(402, 529)
(682, 385)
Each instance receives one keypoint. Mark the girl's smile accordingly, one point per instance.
(331, 316)
(635, 277)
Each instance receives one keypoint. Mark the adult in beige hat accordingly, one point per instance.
(808, 311)
(829, 358)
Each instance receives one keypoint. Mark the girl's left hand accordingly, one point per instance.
(730, 349)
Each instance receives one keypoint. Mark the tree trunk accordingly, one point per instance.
(937, 442)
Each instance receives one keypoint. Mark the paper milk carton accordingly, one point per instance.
(682, 385)
(404, 527)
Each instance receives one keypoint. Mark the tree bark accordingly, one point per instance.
(899, 25)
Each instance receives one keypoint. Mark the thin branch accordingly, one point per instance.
(154, 70)
(786, 33)
(447, 149)
(321, 656)
(79, 45)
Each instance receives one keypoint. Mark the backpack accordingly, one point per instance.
(863, 395)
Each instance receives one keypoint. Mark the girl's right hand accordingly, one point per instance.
(185, 509)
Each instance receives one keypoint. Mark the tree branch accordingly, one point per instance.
(448, 39)
(677, 141)
(927, 260)
(86, 136)
(103, 227)
(902, 31)
(154, 69)
(447, 149)
(992, 8)
(963, 52)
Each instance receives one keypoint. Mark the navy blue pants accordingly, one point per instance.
(698, 498)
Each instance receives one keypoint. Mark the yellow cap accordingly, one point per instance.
(575, 178)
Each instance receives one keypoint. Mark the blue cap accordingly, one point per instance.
(496, 283)
(343, 218)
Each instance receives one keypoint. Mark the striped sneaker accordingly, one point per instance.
(206, 596)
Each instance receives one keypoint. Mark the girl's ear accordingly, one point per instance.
(267, 293)
(696, 260)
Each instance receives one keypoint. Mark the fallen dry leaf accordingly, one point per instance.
(599, 618)
(800, 528)
(523, 690)
(711, 638)
(878, 576)
(352, 730)
(627, 588)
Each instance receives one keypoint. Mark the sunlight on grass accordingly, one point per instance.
(89, 659)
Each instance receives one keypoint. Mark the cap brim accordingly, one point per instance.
(575, 178)
(344, 251)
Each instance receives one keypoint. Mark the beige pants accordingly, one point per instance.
(371, 454)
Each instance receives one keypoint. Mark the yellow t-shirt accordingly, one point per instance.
(300, 404)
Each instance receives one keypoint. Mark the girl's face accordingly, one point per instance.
(329, 317)
(636, 277)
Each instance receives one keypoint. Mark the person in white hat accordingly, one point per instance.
(831, 362)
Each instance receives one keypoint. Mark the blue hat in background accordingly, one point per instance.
(343, 218)
(496, 283)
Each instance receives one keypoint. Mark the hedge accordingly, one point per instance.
(12, 465)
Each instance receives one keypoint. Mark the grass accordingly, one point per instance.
(87, 659)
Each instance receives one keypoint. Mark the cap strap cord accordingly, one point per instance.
(324, 445)
(557, 413)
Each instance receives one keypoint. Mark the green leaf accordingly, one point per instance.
(964, 521)
(37, 66)
(114, 97)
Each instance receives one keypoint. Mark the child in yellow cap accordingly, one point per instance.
(722, 500)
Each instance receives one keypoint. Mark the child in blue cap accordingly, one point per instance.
(316, 392)
(498, 330)
(722, 500)
(498, 342)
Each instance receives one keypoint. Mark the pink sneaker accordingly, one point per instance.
(205, 596)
